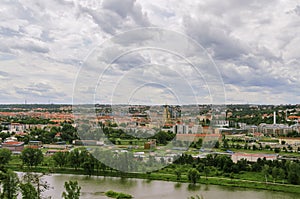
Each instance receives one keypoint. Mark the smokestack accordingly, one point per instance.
(274, 116)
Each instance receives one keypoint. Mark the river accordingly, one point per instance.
(94, 188)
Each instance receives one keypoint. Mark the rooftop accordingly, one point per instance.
(13, 143)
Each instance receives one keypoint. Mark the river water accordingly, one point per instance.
(94, 188)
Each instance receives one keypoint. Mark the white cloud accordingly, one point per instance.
(254, 44)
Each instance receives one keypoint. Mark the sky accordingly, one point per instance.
(60, 50)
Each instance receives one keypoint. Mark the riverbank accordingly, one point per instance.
(229, 182)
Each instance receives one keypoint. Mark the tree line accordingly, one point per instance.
(30, 185)
(284, 170)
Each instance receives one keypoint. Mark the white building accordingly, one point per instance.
(252, 157)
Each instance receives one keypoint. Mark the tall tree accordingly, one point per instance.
(178, 172)
(28, 191)
(281, 175)
(275, 173)
(37, 181)
(10, 185)
(72, 190)
(5, 156)
(61, 158)
(75, 158)
(265, 172)
(206, 171)
(293, 173)
(32, 157)
(193, 175)
(89, 164)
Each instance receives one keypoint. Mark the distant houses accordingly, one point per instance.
(14, 146)
(34, 144)
(196, 137)
(290, 141)
(252, 157)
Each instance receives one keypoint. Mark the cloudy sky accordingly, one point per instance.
(46, 45)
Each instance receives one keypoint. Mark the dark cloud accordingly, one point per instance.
(216, 38)
(117, 15)
(126, 8)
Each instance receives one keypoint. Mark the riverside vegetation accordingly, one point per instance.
(30, 185)
(214, 169)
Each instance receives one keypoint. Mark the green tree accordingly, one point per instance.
(32, 157)
(37, 181)
(281, 175)
(254, 147)
(277, 150)
(89, 164)
(10, 185)
(178, 172)
(225, 144)
(5, 156)
(217, 145)
(193, 175)
(72, 190)
(275, 173)
(68, 133)
(293, 173)
(231, 175)
(163, 137)
(206, 171)
(265, 172)
(75, 158)
(28, 191)
(60, 158)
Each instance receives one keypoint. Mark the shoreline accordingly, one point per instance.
(226, 182)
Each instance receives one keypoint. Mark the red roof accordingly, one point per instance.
(21, 133)
(58, 134)
(201, 135)
(294, 117)
(12, 143)
(255, 155)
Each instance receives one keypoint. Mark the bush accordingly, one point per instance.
(113, 194)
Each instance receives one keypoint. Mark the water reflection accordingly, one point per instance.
(177, 185)
(206, 188)
(94, 188)
(194, 187)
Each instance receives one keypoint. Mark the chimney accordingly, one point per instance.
(274, 116)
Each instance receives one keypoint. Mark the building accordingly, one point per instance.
(290, 141)
(87, 143)
(294, 118)
(252, 157)
(13, 146)
(35, 144)
(274, 129)
(171, 113)
(16, 127)
(187, 129)
(150, 144)
(196, 137)
(250, 128)
(53, 151)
